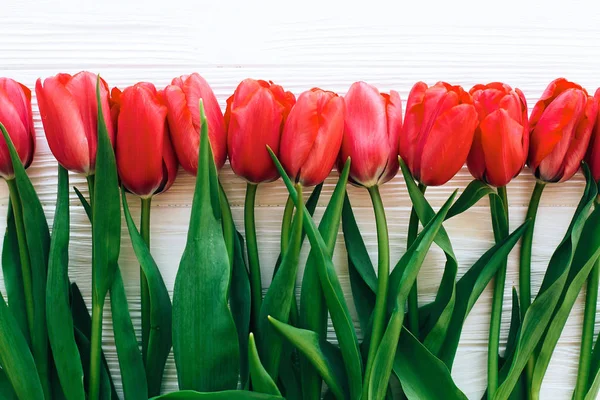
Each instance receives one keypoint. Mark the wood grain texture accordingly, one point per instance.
(328, 44)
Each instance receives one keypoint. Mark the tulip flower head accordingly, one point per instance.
(146, 161)
(69, 114)
(16, 116)
(312, 136)
(372, 125)
(593, 153)
(182, 98)
(255, 116)
(438, 131)
(561, 125)
(501, 141)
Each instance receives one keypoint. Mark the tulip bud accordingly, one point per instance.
(560, 126)
(372, 125)
(145, 158)
(15, 115)
(69, 114)
(438, 131)
(182, 99)
(255, 116)
(501, 140)
(114, 102)
(593, 152)
(312, 136)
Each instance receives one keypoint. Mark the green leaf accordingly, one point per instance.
(325, 358)
(363, 280)
(83, 330)
(160, 338)
(261, 380)
(38, 244)
(239, 301)
(586, 253)
(58, 310)
(399, 289)
(474, 192)
(13, 277)
(86, 205)
(471, 285)
(423, 376)
(106, 229)
(205, 341)
(592, 393)
(6, 390)
(107, 391)
(131, 364)
(540, 312)
(442, 308)
(334, 296)
(16, 359)
(313, 307)
(279, 296)
(224, 395)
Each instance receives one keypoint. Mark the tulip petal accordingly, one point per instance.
(394, 127)
(501, 139)
(186, 139)
(365, 134)
(63, 126)
(19, 134)
(593, 153)
(255, 123)
(448, 144)
(140, 141)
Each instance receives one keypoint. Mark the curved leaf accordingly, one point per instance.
(11, 271)
(280, 296)
(107, 391)
(38, 244)
(334, 296)
(324, 358)
(411, 263)
(239, 301)
(471, 285)
(6, 390)
(475, 191)
(588, 250)
(58, 310)
(205, 339)
(313, 307)
(131, 364)
(224, 395)
(261, 380)
(540, 312)
(423, 376)
(160, 337)
(16, 359)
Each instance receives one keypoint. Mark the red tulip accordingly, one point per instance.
(312, 136)
(15, 115)
(182, 98)
(501, 141)
(438, 131)
(372, 127)
(255, 116)
(561, 125)
(114, 102)
(593, 152)
(69, 114)
(145, 157)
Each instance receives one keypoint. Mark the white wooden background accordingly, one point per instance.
(328, 44)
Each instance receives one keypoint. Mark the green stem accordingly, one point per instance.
(587, 336)
(96, 347)
(252, 248)
(383, 271)
(144, 289)
(90, 180)
(15, 200)
(525, 266)
(413, 296)
(496, 315)
(286, 224)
